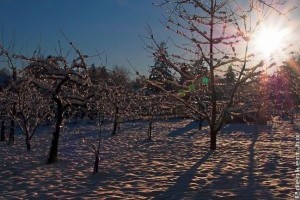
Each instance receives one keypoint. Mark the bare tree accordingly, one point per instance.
(99, 104)
(5, 54)
(216, 34)
(150, 109)
(66, 84)
(31, 107)
(119, 89)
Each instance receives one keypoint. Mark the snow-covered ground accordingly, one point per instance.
(175, 165)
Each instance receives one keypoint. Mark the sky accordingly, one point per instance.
(112, 26)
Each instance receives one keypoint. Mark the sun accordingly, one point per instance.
(270, 39)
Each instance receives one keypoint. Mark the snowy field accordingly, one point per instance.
(175, 165)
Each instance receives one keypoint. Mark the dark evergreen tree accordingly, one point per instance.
(160, 72)
(230, 77)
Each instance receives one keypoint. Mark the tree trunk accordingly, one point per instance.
(150, 130)
(97, 150)
(28, 143)
(213, 140)
(55, 137)
(292, 118)
(200, 121)
(115, 125)
(96, 163)
(12, 122)
(12, 132)
(3, 131)
(12, 127)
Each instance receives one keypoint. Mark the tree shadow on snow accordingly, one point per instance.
(181, 187)
(231, 184)
(180, 131)
(238, 127)
(253, 190)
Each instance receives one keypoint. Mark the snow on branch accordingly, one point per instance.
(42, 85)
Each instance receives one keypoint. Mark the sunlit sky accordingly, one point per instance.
(112, 26)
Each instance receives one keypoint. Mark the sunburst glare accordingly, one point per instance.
(270, 39)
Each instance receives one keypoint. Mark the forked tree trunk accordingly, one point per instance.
(213, 140)
(3, 131)
(55, 136)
